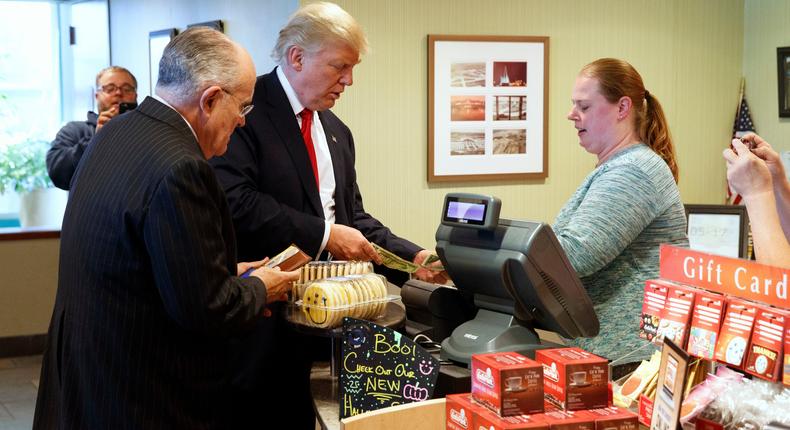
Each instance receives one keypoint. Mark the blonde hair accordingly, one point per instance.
(315, 24)
(616, 79)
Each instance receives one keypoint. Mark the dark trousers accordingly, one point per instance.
(272, 376)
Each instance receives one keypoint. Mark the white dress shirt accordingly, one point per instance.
(326, 173)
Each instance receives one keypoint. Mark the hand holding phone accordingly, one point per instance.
(747, 143)
(125, 107)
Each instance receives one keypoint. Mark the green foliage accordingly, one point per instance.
(23, 166)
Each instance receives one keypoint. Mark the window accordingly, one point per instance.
(45, 80)
(29, 84)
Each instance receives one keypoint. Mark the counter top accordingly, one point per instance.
(324, 388)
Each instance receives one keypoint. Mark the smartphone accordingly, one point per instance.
(749, 145)
(124, 107)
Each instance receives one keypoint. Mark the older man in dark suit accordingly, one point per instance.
(289, 175)
(147, 291)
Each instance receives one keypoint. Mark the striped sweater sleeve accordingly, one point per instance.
(618, 204)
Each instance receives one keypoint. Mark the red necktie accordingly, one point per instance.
(307, 124)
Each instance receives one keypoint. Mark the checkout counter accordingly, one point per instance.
(512, 278)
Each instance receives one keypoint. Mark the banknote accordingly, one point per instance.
(430, 260)
(394, 262)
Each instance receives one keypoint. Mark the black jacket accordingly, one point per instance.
(67, 148)
(146, 297)
(270, 186)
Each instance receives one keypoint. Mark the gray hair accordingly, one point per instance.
(315, 24)
(106, 70)
(195, 59)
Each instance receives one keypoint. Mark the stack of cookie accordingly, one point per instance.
(330, 269)
(316, 270)
(325, 302)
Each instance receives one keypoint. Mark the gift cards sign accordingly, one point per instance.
(740, 278)
(381, 368)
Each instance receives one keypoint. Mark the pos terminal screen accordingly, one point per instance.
(467, 212)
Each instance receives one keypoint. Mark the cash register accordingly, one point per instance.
(511, 276)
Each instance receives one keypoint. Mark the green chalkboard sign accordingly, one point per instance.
(380, 367)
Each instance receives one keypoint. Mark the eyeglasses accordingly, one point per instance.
(244, 109)
(112, 88)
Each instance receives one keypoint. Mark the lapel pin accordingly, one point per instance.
(334, 139)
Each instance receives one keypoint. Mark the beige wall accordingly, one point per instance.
(28, 281)
(688, 52)
(253, 23)
(766, 28)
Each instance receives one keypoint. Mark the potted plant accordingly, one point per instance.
(23, 170)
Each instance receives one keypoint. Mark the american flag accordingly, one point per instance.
(743, 121)
(743, 124)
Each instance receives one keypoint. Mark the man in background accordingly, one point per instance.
(148, 293)
(289, 176)
(114, 85)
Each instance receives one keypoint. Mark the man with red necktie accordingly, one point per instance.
(289, 178)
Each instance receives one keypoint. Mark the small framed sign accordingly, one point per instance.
(216, 25)
(783, 64)
(380, 367)
(672, 374)
(157, 40)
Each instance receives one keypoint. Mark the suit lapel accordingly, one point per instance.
(159, 111)
(338, 167)
(281, 114)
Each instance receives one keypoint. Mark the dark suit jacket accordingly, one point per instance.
(67, 149)
(274, 199)
(269, 182)
(146, 300)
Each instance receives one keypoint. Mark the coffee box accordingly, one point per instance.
(653, 303)
(574, 379)
(736, 330)
(705, 324)
(460, 412)
(488, 420)
(614, 418)
(508, 383)
(568, 420)
(764, 355)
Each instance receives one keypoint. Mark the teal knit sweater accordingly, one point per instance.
(611, 229)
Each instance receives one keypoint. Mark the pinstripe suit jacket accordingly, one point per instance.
(146, 298)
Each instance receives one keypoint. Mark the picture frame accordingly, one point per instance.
(157, 40)
(718, 229)
(673, 373)
(487, 108)
(783, 81)
(216, 25)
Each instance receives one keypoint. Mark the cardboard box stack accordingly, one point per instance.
(574, 379)
(507, 383)
(563, 389)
